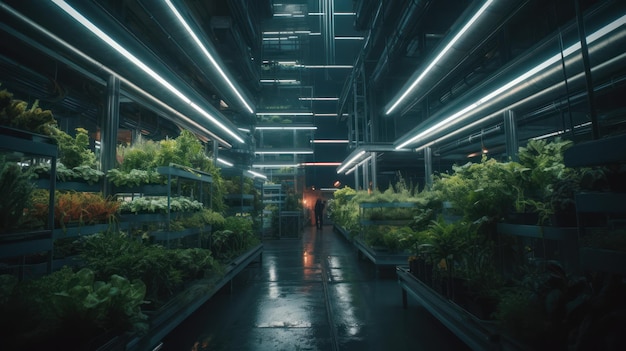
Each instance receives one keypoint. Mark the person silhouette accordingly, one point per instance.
(319, 213)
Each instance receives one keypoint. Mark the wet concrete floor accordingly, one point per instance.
(311, 293)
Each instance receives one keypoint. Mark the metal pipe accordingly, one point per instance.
(109, 125)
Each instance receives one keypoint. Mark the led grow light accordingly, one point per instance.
(206, 53)
(439, 56)
(119, 48)
(462, 114)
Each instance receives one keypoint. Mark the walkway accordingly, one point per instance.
(311, 293)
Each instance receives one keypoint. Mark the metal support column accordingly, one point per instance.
(428, 167)
(366, 175)
(510, 135)
(109, 126)
(374, 171)
(357, 180)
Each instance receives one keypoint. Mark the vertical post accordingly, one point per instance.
(357, 181)
(510, 135)
(109, 125)
(374, 171)
(428, 167)
(595, 128)
(366, 175)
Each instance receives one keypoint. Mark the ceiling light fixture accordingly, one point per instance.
(224, 162)
(323, 164)
(280, 81)
(350, 161)
(349, 38)
(462, 114)
(286, 128)
(330, 141)
(256, 174)
(328, 66)
(277, 165)
(318, 98)
(284, 152)
(560, 132)
(439, 56)
(204, 50)
(284, 113)
(149, 71)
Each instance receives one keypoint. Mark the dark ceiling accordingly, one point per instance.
(369, 49)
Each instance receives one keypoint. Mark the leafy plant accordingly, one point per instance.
(73, 207)
(16, 113)
(234, 238)
(134, 177)
(69, 310)
(151, 204)
(74, 152)
(16, 190)
(164, 271)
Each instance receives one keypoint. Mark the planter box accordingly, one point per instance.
(163, 321)
(344, 232)
(602, 260)
(23, 244)
(380, 258)
(70, 232)
(477, 334)
(538, 232)
(146, 189)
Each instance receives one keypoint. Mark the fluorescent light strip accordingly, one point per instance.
(112, 43)
(364, 160)
(263, 165)
(208, 55)
(440, 55)
(330, 114)
(344, 13)
(246, 130)
(318, 99)
(256, 174)
(330, 141)
(560, 132)
(284, 152)
(280, 81)
(349, 38)
(286, 128)
(284, 113)
(316, 13)
(322, 164)
(224, 162)
(351, 170)
(456, 117)
(357, 165)
(328, 66)
(354, 158)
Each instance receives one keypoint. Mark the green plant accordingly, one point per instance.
(74, 152)
(16, 190)
(151, 204)
(164, 271)
(15, 113)
(69, 310)
(234, 238)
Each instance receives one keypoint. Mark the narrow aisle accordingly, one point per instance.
(311, 293)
